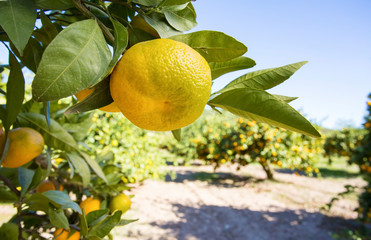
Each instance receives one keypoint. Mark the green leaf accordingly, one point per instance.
(25, 177)
(76, 59)
(31, 54)
(95, 217)
(124, 222)
(182, 20)
(18, 20)
(177, 133)
(38, 177)
(285, 98)
(104, 227)
(57, 137)
(212, 45)
(220, 68)
(54, 4)
(83, 224)
(81, 166)
(100, 97)
(61, 200)
(159, 23)
(7, 195)
(147, 3)
(15, 91)
(95, 166)
(121, 42)
(58, 218)
(166, 3)
(258, 105)
(47, 32)
(264, 79)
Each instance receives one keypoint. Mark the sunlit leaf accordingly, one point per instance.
(76, 59)
(81, 166)
(182, 20)
(58, 218)
(159, 23)
(212, 45)
(239, 63)
(264, 79)
(57, 137)
(104, 227)
(258, 105)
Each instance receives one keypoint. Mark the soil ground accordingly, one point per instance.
(238, 205)
(200, 204)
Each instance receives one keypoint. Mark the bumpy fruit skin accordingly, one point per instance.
(120, 202)
(46, 186)
(90, 204)
(161, 84)
(25, 144)
(64, 235)
(86, 92)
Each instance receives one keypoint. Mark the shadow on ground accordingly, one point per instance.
(325, 173)
(224, 179)
(226, 223)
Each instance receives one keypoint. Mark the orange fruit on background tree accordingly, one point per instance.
(46, 186)
(161, 84)
(120, 202)
(25, 144)
(90, 204)
(64, 235)
(86, 92)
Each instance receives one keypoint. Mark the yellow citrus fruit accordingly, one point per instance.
(86, 92)
(90, 204)
(25, 144)
(120, 202)
(161, 84)
(46, 186)
(64, 235)
(140, 23)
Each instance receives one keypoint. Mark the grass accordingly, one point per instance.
(339, 168)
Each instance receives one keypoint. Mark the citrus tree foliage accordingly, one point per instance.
(342, 143)
(362, 157)
(72, 45)
(229, 140)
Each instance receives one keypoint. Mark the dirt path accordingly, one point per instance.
(230, 205)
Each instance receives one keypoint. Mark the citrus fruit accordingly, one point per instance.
(46, 186)
(120, 202)
(64, 235)
(140, 23)
(161, 84)
(86, 92)
(25, 144)
(90, 204)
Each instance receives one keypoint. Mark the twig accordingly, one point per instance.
(10, 185)
(81, 7)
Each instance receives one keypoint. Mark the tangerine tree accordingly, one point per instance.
(128, 55)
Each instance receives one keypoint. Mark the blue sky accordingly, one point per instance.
(334, 36)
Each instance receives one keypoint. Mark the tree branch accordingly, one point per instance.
(10, 185)
(85, 11)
